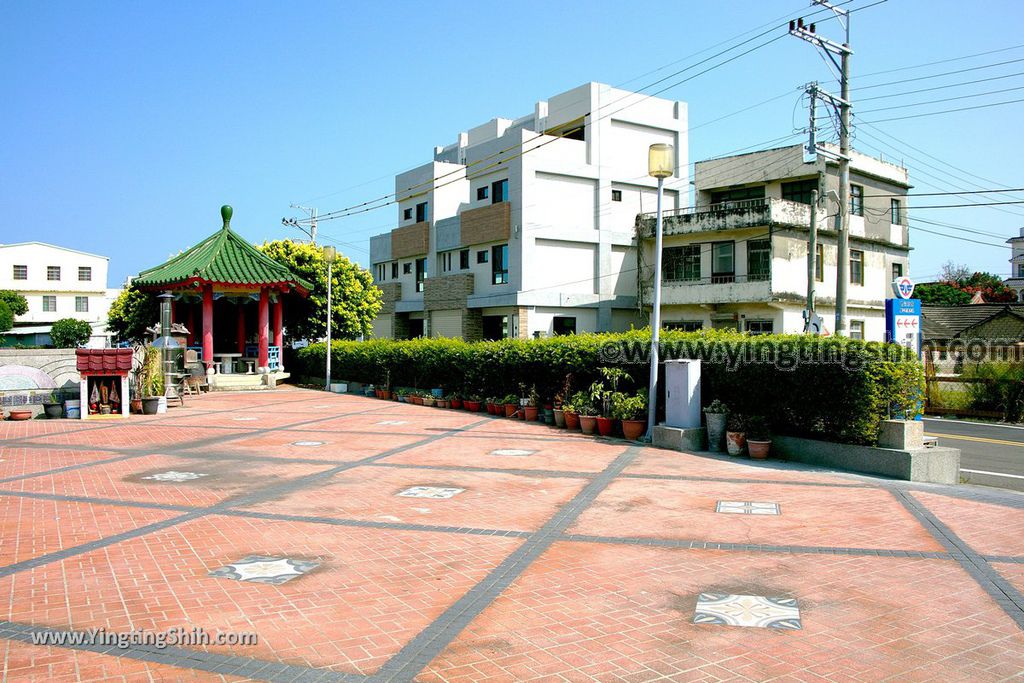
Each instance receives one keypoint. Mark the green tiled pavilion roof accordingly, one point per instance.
(222, 258)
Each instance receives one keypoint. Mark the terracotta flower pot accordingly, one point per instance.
(588, 423)
(428, 401)
(135, 406)
(759, 449)
(735, 443)
(530, 413)
(472, 406)
(572, 420)
(456, 403)
(416, 400)
(510, 409)
(605, 426)
(440, 403)
(521, 413)
(633, 429)
(559, 417)
(19, 415)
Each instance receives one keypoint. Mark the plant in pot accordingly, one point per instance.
(472, 403)
(152, 381)
(401, 395)
(427, 398)
(586, 411)
(572, 408)
(454, 400)
(600, 400)
(511, 405)
(415, 397)
(716, 413)
(735, 435)
(558, 405)
(53, 407)
(759, 437)
(632, 411)
(530, 407)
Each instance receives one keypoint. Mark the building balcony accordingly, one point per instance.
(491, 223)
(718, 289)
(751, 213)
(405, 242)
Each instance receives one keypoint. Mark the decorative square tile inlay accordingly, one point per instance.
(260, 569)
(747, 508)
(430, 492)
(755, 611)
(392, 422)
(175, 476)
(308, 443)
(511, 451)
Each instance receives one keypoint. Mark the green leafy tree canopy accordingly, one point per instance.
(69, 333)
(941, 294)
(355, 300)
(6, 317)
(960, 285)
(131, 313)
(17, 304)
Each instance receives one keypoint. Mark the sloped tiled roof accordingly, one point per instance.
(225, 258)
(103, 361)
(949, 322)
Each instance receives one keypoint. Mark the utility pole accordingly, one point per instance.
(311, 212)
(812, 256)
(833, 49)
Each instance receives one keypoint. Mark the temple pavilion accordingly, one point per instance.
(233, 294)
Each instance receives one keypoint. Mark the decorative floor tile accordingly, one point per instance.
(308, 443)
(430, 492)
(511, 451)
(175, 476)
(756, 611)
(747, 508)
(260, 569)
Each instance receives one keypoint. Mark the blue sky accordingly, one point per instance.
(127, 125)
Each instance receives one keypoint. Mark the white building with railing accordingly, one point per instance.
(738, 258)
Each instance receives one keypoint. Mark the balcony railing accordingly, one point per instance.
(716, 279)
(738, 215)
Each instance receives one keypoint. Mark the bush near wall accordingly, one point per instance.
(827, 388)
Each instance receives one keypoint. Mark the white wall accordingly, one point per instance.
(37, 257)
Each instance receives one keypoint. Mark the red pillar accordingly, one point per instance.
(279, 322)
(264, 328)
(191, 324)
(241, 329)
(208, 326)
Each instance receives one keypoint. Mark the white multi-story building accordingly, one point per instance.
(1016, 279)
(738, 258)
(524, 227)
(57, 283)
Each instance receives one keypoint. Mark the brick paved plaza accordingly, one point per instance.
(369, 540)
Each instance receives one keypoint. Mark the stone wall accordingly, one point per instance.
(450, 291)
(28, 377)
(411, 240)
(486, 224)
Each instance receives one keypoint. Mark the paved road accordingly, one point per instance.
(990, 454)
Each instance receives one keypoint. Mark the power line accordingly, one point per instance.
(941, 61)
(946, 73)
(944, 99)
(945, 111)
(957, 237)
(946, 86)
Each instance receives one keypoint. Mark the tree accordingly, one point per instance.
(16, 303)
(941, 294)
(69, 333)
(6, 317)
(954, 272)
(961, 289)
(992, 288)
(131, 313)
(354, 298)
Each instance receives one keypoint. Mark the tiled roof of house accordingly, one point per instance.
(951, 322)
(104, 361)
(223, 258)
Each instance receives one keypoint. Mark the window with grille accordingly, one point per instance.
(681, 264)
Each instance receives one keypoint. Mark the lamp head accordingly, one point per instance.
(330, 254)
(661, 160)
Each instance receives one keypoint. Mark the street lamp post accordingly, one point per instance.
(330, 254)
(661, 164)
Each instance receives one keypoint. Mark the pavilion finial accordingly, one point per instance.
(225, 213)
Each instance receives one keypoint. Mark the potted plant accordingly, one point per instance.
(530, 406)
(584, 404)
(152, 382)
(415, 397)
(558, 409)
(455, 401)
(759, 439)
(735, 435)
(631, 410)
(600, 401)
(716, 413)
(428, 399)
(52, 407)
(511, 404)
(472, 403)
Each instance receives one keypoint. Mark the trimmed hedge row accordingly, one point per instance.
(827, 388)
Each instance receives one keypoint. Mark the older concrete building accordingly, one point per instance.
(524, 227)
(1016, 279)
(738, 258)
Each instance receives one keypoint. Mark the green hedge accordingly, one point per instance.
(828, 388)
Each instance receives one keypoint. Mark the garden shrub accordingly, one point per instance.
(999, 387)
(829, 388)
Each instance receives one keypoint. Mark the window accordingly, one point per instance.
(20, 272)
(81, 304)
(499, 264)
(421, 273)
(799, 190)
(464, 259)
(896, 211)
(481, 256)
(723, 261)
(563, 325)
(394, 270)
(856, 267)
(380, 272)
(761, 326)
(52, 272)
(759, 260)
(421, 212)
(49, 303)
(616, 195)
(681, 264)
(897, 270)
(738, 195)
(819, 263)
(499, 191)
(686, 325)
(1020, 273)
(84, 274)
(406, 268)
(407, 215)
(446, 261)
(856, 200)
(857, 329)
(482, 192)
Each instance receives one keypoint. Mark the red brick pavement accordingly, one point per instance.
(989, 529)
